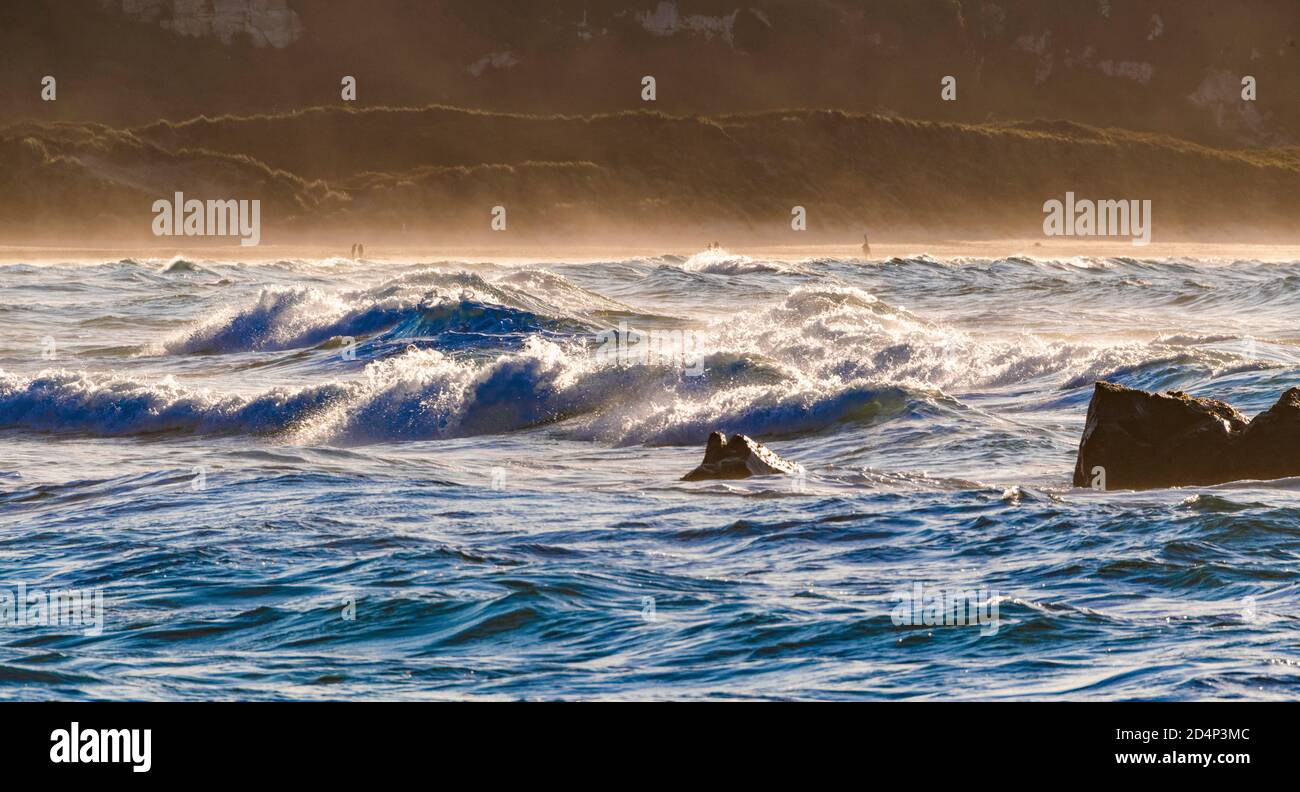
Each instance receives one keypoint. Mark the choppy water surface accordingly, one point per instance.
(232, 452)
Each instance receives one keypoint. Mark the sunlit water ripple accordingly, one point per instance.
(444, 445)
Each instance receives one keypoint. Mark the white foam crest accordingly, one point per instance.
(720, 262)
(822, 356)
(836, 335)
(293, 317)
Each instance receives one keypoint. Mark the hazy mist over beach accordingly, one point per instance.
(830, 105)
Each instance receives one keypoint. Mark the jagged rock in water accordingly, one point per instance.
(1139, 440)
(740, 457)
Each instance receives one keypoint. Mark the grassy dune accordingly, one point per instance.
(437, 170)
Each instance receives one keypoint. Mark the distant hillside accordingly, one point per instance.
(437, 171)
(1170, 66)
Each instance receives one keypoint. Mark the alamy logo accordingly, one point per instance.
(180, 217)
(1130, 218)
(629, 346)
(92, 746)
(930, 606)
(60, 608)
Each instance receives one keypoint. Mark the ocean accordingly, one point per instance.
(337, 479)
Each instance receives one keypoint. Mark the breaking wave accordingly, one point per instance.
(720, 262)
(429, 304)
(825, 356)
(424, 394)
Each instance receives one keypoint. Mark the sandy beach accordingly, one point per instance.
(514, 253)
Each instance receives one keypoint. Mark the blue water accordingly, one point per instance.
(244, 456)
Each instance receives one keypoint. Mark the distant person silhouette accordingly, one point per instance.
(352, 254)
(361, 251)
(866, 245)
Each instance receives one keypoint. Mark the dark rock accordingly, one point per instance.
(738, 458)
(1149, 440)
